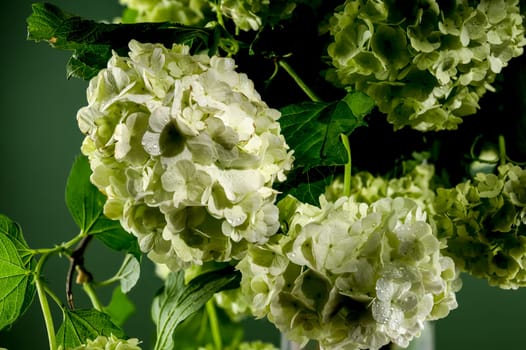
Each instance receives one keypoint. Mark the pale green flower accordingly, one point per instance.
(482, 220)
(427, 64)
(352, 275)
(255, 345)
(186, 152)
(253, 14)
(415, 185)
(188, 12)
(109, 343)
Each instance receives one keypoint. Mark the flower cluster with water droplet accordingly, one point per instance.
(186, 152)
(426, 63)
(351, 275)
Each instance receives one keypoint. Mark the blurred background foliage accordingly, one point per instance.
(39, 140)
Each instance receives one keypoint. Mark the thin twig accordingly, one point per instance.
(76, 260)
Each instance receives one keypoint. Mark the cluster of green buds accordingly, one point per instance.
(484, 223)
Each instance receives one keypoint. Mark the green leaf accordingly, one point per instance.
(14, 232)
(307, 186)
(92, 42)
(177, 301)
(111, 233)
(80, 325)
(310, 192)
(359, 103)
(120, 307)
(198, 325)
(313, 130)
(129, 273)
(86, 203)
(16, 282)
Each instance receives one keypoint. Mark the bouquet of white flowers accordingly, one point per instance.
(217, 144)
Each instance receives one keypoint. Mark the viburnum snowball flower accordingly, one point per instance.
(186, 152)
(426, 63)
(253, 14)
(187, 12)
(351, 275)
(255, 345)
(109, 343)
(483, 221)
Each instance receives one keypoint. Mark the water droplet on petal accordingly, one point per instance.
(381, 311)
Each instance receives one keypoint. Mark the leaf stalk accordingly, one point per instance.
(306, 89)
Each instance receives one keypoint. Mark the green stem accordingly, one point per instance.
(502, 150)
(44, 305)
(299, 81)
(219, 15)
(59, 248)
(347, 174)
(53, 296)
(88, 288)
(214, 324)
(107, 282)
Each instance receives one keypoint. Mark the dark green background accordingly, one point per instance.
(38, 142)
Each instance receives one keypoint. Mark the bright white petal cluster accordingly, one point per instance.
(186, 152)
(426, 63)
(352, 275)
(109, 343)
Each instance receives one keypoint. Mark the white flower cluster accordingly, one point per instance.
(109, 343)
(426, 63)
(352, 275)
(186, 152)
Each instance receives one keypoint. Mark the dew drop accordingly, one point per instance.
(381, 311)
(384, 289)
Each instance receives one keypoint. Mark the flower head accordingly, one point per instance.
(483, 222)
(352, 275)
(253, 14)
(186, 152)
(109, 343)
(426, 63)
(187, 12)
